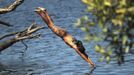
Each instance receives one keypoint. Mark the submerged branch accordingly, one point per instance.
(5, 23)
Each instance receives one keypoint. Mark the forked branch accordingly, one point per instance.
(18, 36)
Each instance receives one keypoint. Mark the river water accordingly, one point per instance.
(49, 55)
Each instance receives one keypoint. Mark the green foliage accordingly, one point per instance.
(113, 22)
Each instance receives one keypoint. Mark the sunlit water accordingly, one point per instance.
(49, 55)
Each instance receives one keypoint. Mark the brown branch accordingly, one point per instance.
(66, 37)
(22, 35)
(11, 7)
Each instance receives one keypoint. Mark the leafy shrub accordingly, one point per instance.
(112, 22)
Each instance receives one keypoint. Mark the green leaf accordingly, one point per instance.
(116, 32)
(102, 51)
(110, 52)
(107, 3)
(127, 49)
(129, 18)
(108, 59)
(104, 18)
(97, 39)
(115, 38)
(89, 8)
(78, 23)
(97, 48)
(86, 1)
(124, 39)
(117, 22)
(101, 59)
(121, 11)
(85, 18)
(105, 30)
(123, 2)
(100, 23)
(90, 24)
(87, 38)
(83, 28)
(131, 10)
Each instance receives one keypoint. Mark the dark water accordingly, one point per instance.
(49, 55)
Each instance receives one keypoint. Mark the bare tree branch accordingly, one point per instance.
(22, 35)
(11, 7)
(64, 35)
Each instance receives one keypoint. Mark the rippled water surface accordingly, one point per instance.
(49, 55)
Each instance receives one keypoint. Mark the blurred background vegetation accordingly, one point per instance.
(112, 22)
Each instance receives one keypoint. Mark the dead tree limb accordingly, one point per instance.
(65, 36)
(11, 7)
(22, 35)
